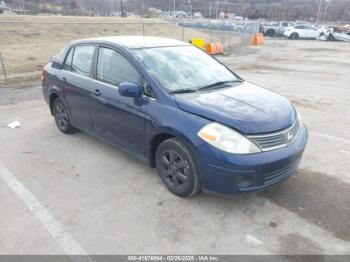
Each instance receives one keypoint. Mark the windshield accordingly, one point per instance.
(183, 67)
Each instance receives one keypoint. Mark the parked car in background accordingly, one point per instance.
(277, 28)
(179, 109)
(302, 31)
(323, 30)
(338, 34)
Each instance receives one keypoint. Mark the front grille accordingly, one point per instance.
(272, 141)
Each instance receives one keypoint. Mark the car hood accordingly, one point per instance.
(245, 107)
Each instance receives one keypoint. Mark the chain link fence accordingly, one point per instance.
(27, 45)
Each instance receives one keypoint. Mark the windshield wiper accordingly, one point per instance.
(218, 84)
(182, 91)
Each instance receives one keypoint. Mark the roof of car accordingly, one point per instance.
(133, 42)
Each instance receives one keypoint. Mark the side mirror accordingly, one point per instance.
(129, 90)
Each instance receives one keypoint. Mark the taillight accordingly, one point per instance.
(42, 74)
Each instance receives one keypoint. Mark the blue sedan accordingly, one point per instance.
(182, 111)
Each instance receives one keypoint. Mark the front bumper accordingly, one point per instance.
(226, 173)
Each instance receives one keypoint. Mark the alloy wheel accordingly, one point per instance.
(61, 116)
(174, 169)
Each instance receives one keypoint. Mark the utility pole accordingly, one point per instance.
(326, 9)
(319, 12)
(174, 9)
(210, 10)
(141, 8)
(217, 9)
(121, 8)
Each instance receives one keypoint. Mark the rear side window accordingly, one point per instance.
(82, 60)
(311, 28)
(300, 27)
(68, 62)
(113, 68)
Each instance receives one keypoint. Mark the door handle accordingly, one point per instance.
(97, 92)
(64, 79)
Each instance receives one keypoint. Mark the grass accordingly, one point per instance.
(26, 47)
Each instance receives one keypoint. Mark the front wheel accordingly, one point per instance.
(330, 37)
(177, 168)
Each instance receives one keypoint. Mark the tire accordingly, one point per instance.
(330, 37)
(61, 116)
(294, 36)
(177, 169)
(270, 32)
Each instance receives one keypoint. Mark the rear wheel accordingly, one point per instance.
(177, 168)
(270, 32)
(61, 116)
(294, 36)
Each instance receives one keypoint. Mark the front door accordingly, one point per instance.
(116, 118)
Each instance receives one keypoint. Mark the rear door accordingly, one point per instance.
(77, 83)
(300, 29)
(114, 117)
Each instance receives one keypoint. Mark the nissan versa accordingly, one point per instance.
(168, 102)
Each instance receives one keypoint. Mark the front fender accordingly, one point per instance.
(164, 120)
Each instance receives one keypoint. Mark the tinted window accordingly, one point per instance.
(284, 24)
(82, 60)
(300, 27)
(68, 63)
(113, 68)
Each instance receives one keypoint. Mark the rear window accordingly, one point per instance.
(82, 60)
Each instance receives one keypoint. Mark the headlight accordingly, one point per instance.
(298, 115)
(299, 118)
(226, 139)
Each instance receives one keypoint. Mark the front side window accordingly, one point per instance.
(182, 67)
(82, 60)
(113, 68)
(147, 89)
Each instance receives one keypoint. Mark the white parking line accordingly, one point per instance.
(345, 141)
(56, 230)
